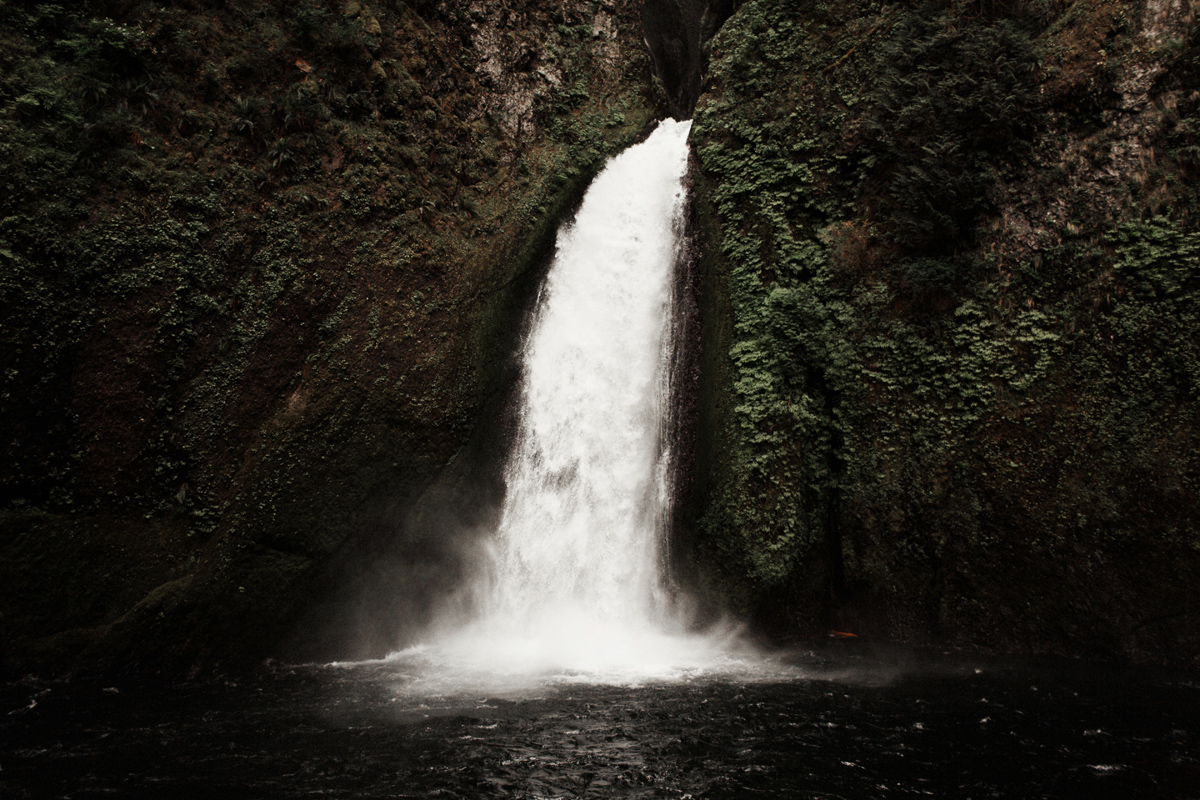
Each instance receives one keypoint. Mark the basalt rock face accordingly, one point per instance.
(952, 284)
(677, 34)
(262, 267)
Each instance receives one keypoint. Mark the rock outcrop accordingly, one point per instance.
(263, 267)
(953, 279)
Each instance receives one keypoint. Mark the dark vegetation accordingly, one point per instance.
(955, 242)
(260, 263)
(952, 102)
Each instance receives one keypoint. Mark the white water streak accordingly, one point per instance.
(575, 586)
(579, 532)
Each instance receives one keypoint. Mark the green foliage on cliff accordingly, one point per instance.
(961, 350)
(260, 263)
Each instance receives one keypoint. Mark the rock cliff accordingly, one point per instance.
(953, 283)
(263, 266)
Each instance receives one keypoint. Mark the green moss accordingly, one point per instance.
(256, 261)
(965, 413)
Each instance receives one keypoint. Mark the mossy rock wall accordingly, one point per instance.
(952, 285)
(263, 266)
(261, 270)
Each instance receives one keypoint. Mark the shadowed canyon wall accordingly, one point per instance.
(953, 287)
(263, 268)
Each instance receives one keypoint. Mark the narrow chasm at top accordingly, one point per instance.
(676, 33)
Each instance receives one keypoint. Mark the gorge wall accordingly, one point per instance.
(263, 267)
(953, 284)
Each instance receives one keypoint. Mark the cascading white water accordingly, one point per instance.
(578, 539)
(574, 585)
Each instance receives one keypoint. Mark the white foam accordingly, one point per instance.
(505, 661)
(575, 589)
(584, 508)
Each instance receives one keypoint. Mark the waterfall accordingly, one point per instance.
(585, 503)
(574, 583)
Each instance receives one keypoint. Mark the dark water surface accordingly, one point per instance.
(844, 724)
